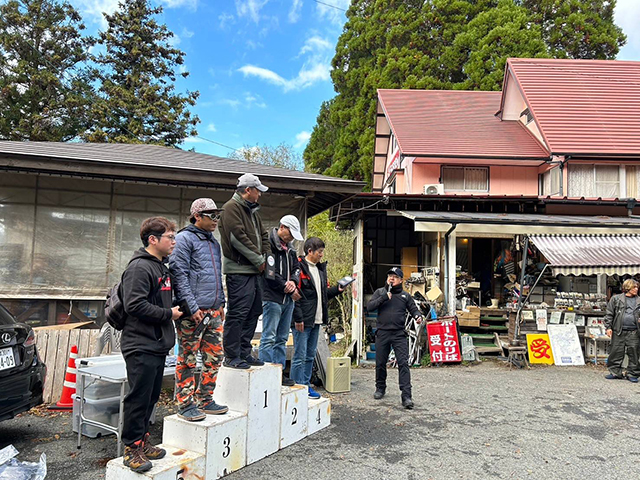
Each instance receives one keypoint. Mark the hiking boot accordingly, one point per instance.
(313, 394)
(254, 362)
(191, 413)
(135, 459)
(288, 382)
(151, 451)
(379, 393)
(212, 408)
(236, 363)
(407, 403)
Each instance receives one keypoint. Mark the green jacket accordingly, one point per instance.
(615, 312)
(245, 242)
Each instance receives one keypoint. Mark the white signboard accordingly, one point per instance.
(565, 345)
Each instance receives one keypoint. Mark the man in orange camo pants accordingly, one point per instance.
(195, 266)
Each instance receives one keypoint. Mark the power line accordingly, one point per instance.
(331, 6)
(217, 143)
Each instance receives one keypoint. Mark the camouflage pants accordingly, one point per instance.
(210, 346)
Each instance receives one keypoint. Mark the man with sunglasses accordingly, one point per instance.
(196, 267)
(245, 246)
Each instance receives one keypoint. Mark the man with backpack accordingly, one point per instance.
(147, 337)
(195, 266)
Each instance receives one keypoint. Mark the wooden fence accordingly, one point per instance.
(54, 347)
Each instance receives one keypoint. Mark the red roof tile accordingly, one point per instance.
(583, 106)
(455, 123)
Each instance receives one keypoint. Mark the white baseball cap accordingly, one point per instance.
(293, 224)
(251, 180)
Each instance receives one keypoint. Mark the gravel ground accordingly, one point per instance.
(477, 422)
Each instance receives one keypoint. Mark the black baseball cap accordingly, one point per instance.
(396, 271)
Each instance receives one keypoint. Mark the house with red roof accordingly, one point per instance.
(471, 186)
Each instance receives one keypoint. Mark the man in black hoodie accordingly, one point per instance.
(147, 336)
(392, 304)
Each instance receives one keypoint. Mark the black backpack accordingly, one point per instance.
(114, 308)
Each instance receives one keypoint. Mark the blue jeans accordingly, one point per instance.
(305, 345)
(276, 322)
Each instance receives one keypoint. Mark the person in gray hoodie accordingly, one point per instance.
(621, 322)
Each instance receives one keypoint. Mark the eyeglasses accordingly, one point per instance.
(170, 237)
(213, 216)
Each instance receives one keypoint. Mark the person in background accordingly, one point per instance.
(147, 337)
(621, 323)
(196, 268)
(280, 293)
(310, 311)
(392, 304)
(245, 246)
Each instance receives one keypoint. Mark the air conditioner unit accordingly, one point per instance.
(433, 189)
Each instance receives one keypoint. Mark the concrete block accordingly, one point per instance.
(319, 414)
(256, 392)
(294, 414)
(178, 464)
(221, 438)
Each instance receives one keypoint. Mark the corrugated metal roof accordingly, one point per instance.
(583, 106)
(158, 156)
(590, 254)
(455, 123)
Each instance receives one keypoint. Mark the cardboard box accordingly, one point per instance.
(470, 318)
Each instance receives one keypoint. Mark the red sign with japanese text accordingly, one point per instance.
(444, 345)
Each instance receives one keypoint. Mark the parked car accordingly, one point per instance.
(22, 373)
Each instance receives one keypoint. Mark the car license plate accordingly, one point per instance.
(6, 358)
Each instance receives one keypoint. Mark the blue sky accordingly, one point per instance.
(263, 66)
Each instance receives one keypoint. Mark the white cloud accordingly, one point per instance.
(309, 74)
(250, 8)
(627, 14)
(226, 19)
(334, 15)
(93, 10)
(211, 128)
(194, 140)
(315, 44)
(233, 103)
(302, 138)
(251, 45)
(174, 40)
(190, 4)
(248, 100)
(294, 13)
(186, 33)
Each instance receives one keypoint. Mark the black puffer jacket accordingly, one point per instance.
(146, 295)
(287, 268)
(392, 312)
(305, 308)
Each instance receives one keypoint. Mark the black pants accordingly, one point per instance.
(144, 373)
(627, 342)
(244, 296)
(385, 339)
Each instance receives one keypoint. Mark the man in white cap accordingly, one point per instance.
(280, 293)
(196, 271)
(245, 246)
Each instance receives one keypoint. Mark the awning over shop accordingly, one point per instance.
(590, 254)
(505, 224)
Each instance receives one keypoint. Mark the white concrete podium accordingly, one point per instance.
(263, 417)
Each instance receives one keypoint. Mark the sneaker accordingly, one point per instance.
(407, 403)
(212, 408)
(632, 379)
(135, 459)
(254, 362)
(236, 363)
(191, 413)
(152, 452)
(288, 382)
(611, 376)
(378, 394)
(313, 394)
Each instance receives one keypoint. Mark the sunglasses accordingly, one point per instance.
(213, 216)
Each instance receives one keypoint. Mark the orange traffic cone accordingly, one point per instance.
(69, 387)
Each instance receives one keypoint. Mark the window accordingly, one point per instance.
(466, 179)
(594, 181)
(551, 182)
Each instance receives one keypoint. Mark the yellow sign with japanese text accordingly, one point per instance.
(539, 348)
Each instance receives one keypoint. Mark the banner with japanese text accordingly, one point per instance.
(444, 344)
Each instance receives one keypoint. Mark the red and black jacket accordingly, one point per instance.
(305, 309)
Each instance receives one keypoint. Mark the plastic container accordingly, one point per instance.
(105, 410)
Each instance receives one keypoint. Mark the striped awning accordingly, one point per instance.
(590, 254)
